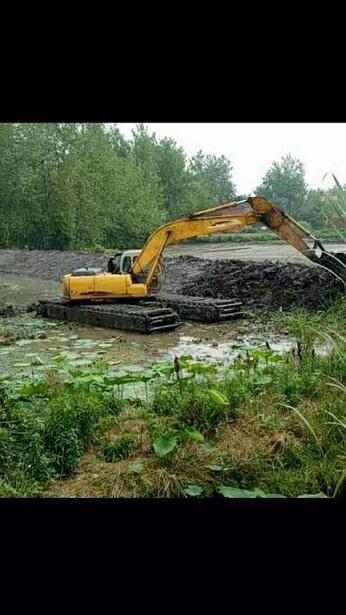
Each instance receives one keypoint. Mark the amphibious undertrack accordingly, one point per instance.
(150, 315)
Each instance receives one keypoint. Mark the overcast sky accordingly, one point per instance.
(253, 147)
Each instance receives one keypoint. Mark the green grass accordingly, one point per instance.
(271, 423)
(120, 449)
(44, 439)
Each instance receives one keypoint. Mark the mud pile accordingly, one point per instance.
(46, 264)
(264, 285)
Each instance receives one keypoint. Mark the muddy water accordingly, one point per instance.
(83, 344)
(23, 290)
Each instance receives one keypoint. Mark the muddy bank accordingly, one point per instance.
(45, 264)
(264, 284)
(53, 265)
(256, 284)
(9, 311)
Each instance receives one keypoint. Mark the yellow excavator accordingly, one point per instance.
(127, 295)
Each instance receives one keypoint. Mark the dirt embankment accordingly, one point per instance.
(265, 284)
(257, 284)
(49, 265)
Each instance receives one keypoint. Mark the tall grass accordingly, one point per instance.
(338, 205)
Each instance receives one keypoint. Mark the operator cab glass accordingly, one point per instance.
(117, 259)
(127, 264)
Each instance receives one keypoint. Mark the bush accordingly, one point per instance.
(46, 440)
(191, 404)
(120, 449)
(71, 428)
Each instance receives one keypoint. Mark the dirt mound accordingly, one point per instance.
(49, 265)
(265, 284)
(181, 270)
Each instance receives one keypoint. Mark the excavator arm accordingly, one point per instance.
(291, 231)
(226, 219)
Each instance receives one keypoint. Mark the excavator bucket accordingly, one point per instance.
(335, 262)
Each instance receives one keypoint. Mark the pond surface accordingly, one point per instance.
(82, 344)
(39, 340)
(23, 290)
(203, 342)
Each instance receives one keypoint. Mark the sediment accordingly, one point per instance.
(266, 284)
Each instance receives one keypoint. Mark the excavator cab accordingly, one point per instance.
(122, 262)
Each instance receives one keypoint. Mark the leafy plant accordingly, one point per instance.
(164, 445)
(234, 492)
(119, 449)
(193, 490)
(218, 397)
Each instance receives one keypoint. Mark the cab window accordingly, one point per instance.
(127, 264)
(117, 262)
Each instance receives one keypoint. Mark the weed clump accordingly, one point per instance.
(120, 449)
(45, 441)
(191, 404)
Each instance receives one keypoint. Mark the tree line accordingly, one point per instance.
(76, 186)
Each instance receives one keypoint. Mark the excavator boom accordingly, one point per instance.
(226, 219)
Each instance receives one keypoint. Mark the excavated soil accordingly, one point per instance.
(256, 284)
(266, 284)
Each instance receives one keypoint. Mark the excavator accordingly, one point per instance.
(128, 296)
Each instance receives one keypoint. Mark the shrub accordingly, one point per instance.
(71, 427)
(120, 449)
(191, 404)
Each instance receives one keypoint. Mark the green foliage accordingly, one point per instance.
(315, 208)
(86, 187)
(214, 175)
(191, 405)
(284, 185)
(218, 398)
(80, 185)
(193, 490)
(275, 424)
(70, 428)
(46, 438)
(164, 445)
(119, 449)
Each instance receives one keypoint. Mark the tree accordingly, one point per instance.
(36, 154)
(316, 208)
(214, 175)
(284, 185)
(116, 202)
(66, 186)
(164, 158)
(8, 182)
